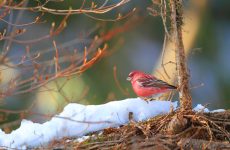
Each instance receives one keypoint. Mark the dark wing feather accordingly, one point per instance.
(156, 83)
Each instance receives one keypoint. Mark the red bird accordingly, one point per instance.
(147, 86)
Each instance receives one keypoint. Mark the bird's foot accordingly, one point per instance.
(153, 98)
(146, 99)
(156, 97)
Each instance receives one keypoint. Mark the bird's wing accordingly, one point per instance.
(151, 82)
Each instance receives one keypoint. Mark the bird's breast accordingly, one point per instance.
(147, 91)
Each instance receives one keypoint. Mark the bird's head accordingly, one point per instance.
(134, 74)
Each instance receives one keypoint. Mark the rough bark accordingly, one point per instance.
(181, 65)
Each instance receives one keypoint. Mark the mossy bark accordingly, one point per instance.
(176, 10)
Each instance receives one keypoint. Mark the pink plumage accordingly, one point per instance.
(148, 86)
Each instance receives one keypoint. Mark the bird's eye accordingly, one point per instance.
(131, 74)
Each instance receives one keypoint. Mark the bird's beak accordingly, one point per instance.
(129, 78)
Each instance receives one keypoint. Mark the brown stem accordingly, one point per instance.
(181, 65)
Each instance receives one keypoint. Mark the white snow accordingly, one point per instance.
(201, 108)
(218, 110)
(77, 120)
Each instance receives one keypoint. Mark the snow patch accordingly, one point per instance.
(77, 120)
(201, 108)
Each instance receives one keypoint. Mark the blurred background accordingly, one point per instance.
(137, 46)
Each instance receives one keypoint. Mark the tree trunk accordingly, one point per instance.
(176, 9)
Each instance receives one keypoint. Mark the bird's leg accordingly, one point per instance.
(145, 99)
(150, 98)
(155, 97)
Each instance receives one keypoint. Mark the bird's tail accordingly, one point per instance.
(172, 87)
